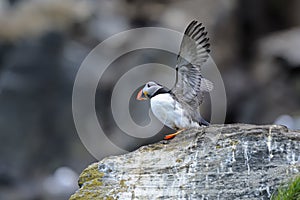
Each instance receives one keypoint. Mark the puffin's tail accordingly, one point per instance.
(203, 122)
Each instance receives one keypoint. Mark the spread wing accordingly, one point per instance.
(190, 86)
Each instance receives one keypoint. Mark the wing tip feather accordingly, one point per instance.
(196, 31)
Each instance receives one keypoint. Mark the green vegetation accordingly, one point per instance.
(289, 192)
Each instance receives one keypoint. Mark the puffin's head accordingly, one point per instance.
(148, 91)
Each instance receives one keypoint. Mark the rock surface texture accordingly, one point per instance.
(217, 162)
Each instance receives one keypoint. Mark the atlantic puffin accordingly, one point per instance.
(178, 108)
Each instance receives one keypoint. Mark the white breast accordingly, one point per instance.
(170, 112)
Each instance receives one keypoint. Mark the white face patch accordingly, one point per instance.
(151, 88)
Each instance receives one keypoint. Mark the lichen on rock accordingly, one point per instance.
(217, 162)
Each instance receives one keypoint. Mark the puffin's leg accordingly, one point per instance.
(171, 136)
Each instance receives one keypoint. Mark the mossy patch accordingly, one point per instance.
(90, 183)
(234, 142)
(122, 183)
(90, 173)
(289, 192)
(93, 186)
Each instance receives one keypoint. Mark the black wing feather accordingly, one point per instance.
(194, 51)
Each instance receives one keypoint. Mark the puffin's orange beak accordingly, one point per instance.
(141, 96)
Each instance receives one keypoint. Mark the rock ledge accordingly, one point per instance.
(235, 161)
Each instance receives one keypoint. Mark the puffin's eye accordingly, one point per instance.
(148, 85)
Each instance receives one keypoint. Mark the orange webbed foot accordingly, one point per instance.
(171, 136)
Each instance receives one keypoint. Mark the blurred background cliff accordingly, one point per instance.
(43, 42)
